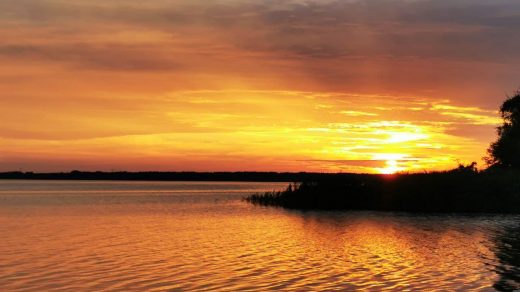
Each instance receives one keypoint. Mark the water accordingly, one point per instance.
(196, 236)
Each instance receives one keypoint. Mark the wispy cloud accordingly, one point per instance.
(357, 113)
(255, 123)
(470, 115)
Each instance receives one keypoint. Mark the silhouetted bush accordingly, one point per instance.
(460, 190)
(505, 151)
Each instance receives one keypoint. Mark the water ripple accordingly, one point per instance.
(104, 239)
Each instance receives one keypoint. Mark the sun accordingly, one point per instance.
(393, 163)
(391, 167)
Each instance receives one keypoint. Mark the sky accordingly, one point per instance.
(373, 86)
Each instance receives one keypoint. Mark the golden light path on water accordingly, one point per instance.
(197, 236)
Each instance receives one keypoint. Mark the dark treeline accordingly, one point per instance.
(461, 190)
(172, 176)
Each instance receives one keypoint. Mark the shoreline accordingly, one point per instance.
(238, 176)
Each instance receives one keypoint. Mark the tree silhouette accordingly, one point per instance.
(505, 151)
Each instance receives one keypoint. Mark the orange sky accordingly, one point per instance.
(358, 85)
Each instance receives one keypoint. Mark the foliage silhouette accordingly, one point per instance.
(505, 151)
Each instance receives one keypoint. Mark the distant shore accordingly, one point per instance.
(171, 176)
(458, 191)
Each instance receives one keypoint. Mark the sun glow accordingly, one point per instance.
(392, 166)
(240, 130)
(394, 162)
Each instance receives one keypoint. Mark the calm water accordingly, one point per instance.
(186, 236)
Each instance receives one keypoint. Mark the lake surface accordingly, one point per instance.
(197, 236)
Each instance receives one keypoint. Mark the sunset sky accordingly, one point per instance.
(354, 86)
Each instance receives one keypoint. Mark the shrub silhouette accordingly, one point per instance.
(461, 190)
(505, 151)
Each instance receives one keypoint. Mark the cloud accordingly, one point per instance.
(296, 80)
(394, 46)
(87, 56)
(470, 115)
(181, 126)
(314, 30)
(357, 113)
(351, 162)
